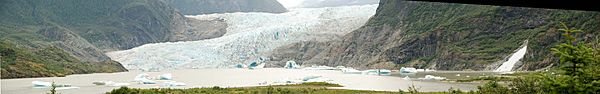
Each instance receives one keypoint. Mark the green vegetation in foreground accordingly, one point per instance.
(18, 62)
(305, 88)
(577, 72)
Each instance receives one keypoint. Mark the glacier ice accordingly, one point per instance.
(408, 70)
(249, 36)
(167, 76)
(291, 65)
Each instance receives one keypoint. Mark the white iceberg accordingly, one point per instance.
(350, 71)
(256, 65)
(41, 84)
(431, 77)
(377, 72)
(140, 77)
(408, 70)
(147, 81)
(291, 65)
(167, 76)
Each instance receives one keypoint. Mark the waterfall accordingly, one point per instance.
(508, 65)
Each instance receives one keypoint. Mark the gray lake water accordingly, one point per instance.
(235, 78)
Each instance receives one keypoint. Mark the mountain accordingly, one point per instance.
(334, 3)
(446, 36)
(197, 7)
(61, 37)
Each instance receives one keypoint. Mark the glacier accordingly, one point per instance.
(249, 37)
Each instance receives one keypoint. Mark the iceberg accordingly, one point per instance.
(350, 71)
(315, 79)
(255, 65)
(141, 77)
(240, 66)
(41, 84)
(291, 65)
(167, 76)
(408, 70)
(147, 81)
(431, 77)
(377, 72)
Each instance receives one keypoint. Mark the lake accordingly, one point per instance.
(235, 78)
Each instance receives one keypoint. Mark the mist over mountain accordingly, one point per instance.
(196, 7)
(334, 3)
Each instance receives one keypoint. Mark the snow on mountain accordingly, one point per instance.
(249, 36)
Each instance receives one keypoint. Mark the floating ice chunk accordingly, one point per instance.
(255, 65)
(408, 70)
(173, 83)
(240, 66)
(431, 77)
(351, 71)
(291, 65)
(141, 77)
(100, 82)
(41, 84)
(167, 76)
(310, 77)
(377, 72)
(147, 81)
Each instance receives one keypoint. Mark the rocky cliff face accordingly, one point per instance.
(61, 37)
(446, 37)
(196, 7)
(199, 29)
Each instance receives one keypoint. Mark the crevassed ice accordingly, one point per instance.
(249, 36)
